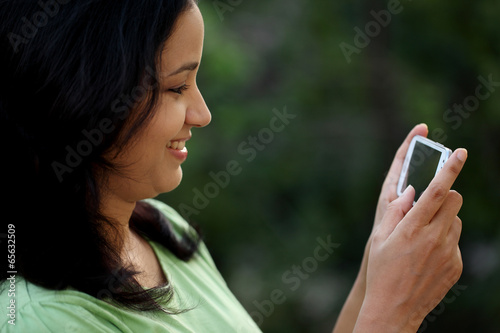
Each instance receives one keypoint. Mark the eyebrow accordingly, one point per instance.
(186, 67)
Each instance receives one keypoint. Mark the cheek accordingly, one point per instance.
(169, 120)
(163, 128)
(150, 150)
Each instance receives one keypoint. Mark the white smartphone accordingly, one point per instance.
(423, 161)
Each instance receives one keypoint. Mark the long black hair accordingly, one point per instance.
(71, 76)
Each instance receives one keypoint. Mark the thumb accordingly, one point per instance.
(396, 210)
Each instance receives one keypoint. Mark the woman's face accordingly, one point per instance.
(151, 164)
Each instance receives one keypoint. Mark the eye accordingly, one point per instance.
(180, 89)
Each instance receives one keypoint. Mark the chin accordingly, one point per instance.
(170, 183)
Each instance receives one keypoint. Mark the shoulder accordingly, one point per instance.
(179, 224)
(36, 309)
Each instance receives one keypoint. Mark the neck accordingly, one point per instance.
(119, 212)
(134, 250)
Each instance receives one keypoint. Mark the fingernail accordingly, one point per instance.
(407, 189)
(462, 154)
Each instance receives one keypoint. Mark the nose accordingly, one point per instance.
(197, 113)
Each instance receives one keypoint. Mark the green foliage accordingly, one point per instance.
(322, 173)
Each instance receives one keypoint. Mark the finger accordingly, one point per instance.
(459, 265)
(391, 181)
(437, 191)
(459, 256)
(396, 210)
(456, 229)
(447, 214)
(451, 208)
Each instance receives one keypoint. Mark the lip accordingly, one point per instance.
(179, 154)
(182, 139)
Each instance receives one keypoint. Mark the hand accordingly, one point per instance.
(414, 257)
(388, 193)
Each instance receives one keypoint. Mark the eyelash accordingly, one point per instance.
(180, 89)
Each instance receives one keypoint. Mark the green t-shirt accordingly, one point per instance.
(197, 285)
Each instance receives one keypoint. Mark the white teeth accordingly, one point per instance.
(178, 145)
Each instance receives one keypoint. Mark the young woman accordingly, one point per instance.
(98, 100)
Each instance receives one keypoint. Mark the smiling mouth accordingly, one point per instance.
(177, 145)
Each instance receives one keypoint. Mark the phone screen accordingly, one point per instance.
(423, 164)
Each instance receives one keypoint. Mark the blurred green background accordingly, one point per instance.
(318, 174)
